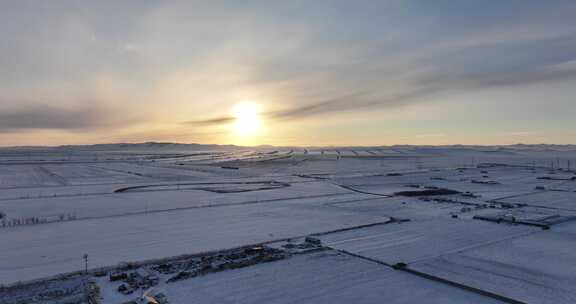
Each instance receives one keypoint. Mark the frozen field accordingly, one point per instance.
(326, 277)
(538, 268)
(346, 225)
(549, 199)
(126, 203)
(44, 250)
(404, 243)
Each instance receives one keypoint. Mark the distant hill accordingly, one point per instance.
(182, 147)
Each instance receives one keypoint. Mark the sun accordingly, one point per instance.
(247, 119)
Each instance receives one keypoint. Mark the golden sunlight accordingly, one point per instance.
(248, 122)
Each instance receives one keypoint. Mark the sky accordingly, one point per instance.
(290, 73)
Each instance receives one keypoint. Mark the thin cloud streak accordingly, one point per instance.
(49, 117)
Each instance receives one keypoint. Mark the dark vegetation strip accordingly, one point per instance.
(270, 183)
(360, 191)
(520, 222)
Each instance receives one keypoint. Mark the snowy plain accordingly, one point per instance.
(58, 205)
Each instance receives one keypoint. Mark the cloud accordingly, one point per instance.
(518, 133)
(341, 103)
(213, 121)
(424, 88)
(508, 62)
(49, 117)
(168, 61)
(385, 80)
(320, 107)
(430, 135)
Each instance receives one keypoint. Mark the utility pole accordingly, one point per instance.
(85, 263)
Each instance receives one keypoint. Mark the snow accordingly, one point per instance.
(325, 277)
(414, 241)
(115, 204)
(30, 252)
(510, 181)
(537, 268)
(549, 199)
(407, 208)
(193, 199)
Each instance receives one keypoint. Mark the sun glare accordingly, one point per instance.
(247, 119)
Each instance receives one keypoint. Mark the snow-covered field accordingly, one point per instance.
(326, 277)
(403, 243)
(549, 199)
(538, 268)
(397, 224)
(44, 250)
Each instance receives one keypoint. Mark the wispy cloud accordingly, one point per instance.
(345, 103)
(50, 117)
(518, 133)
(430, 135)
